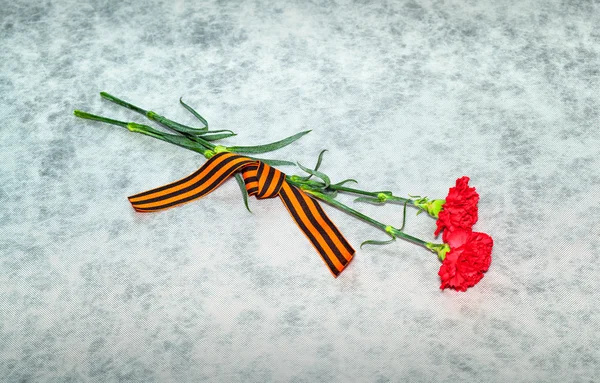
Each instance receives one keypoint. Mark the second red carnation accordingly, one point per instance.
(459, 212)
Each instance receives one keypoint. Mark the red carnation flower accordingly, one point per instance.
(469, 257)
(459, 212)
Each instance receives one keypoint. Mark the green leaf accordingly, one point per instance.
(217, 131)
(268, 147)
(273, 162)
(331, 193)
(316, 173)
(341, 183)
(242, 185)
(175, 139)
(192, 111)
(183, 142)
(372, 200)
(180, 128)
(217, 136)
(375, 242)
(316, 166)
(403, 217)
(320, 159)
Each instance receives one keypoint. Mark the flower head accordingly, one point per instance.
(469, 257)
(459, 212)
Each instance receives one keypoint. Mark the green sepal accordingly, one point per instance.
(316, 173)
(192, 111)
(440, 248)
(242, 185)
(268, 147)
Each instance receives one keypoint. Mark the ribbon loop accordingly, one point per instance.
(262, 181)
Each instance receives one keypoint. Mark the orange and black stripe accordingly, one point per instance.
(262, 181)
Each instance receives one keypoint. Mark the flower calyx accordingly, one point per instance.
(431, 207)
(440, 248)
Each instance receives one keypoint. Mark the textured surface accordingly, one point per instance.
(406, 96)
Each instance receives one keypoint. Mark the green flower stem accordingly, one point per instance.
(118, 101)
(89, 116)
(408, 201)
(387, 228)
(189, 132)
(148, 131)
(379, 196)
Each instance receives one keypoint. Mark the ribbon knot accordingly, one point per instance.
(262, 181)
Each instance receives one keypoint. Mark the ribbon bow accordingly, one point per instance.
(263, 181)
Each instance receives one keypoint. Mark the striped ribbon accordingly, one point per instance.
(262, 181)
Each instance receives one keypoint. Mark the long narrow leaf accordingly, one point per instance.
(375, 242)
(175, 139)
(268, 147)
(217, 136)
(176, 126)
(192, 111)
(341, 183)
(320, 159)
(316, 166)
(316, 173)
(217, 131)
(403, 218)
(273, 162)
(183, 142)
(242, 185)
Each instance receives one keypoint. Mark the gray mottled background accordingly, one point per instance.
(406, 96)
